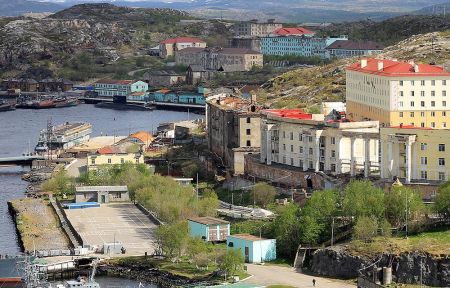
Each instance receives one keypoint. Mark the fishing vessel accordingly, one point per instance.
(65, 102)
(63, 136)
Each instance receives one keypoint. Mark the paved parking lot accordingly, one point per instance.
(120, 221)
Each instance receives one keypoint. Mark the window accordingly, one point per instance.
(292, 148)
(422, 93)
(284, 134)
(423, 175)
(412, 93)
(444, 103)
(441, 147)
(412, 82)
(300, 137)
(441, 161)
(422, 103)
(442, 176)
(444, 124)
(284, 147)
(422, 124)
(423, 146)
(333, 167)
(433, 83)
(433, 114)
(401, 83)
(301, 150)
(444, 113)
(433, 125)
(444, 82)
(291, 135)
(433, 103)
(310, 165)
(284, 159)
(422, 83)
(93, 161)
(109, 160)
(122, 161)
(333, 140)
(300, 163)
(400, 114)
(401, 103)
(248, 132)
(411, 114)
(422, 114)
(310, 151)
(310, 138)
(423, 160)
(433, 93)
(292, 161)
(249, 143)
(444, 93)
(401, 93)
(412, 103)
(249, 120)
(333, 153)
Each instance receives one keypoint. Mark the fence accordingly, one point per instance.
(151, 215)
(70, 231)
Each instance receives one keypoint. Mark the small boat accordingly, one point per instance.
(6, 106)
(43, 104)
(65, 102)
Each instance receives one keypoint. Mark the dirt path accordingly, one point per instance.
(272, 274)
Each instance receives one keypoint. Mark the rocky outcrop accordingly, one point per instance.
(406, 267)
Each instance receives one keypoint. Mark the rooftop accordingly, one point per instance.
(208, 220)
(235, 103)
(356, 45)
(143, 136)
(183, 40)
(96, 143)
(293, 31)
(248, 237)
(410, 127)
(101, 188)
(112, 81)
(290, 113)
(393, 68)
(219, 50)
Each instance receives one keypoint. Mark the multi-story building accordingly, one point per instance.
(168, 47)
(111, 88)
(223, 59)
(120, 153)
(299, 45)
(398, 93)
(233, 129)
(312, 142)
(246, 42)
(415, 154)
(254, 28)
(350, 48)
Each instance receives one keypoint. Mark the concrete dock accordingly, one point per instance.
(122, 222)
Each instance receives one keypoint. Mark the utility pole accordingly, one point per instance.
(196, 187)
(406, 214)
(332, 231)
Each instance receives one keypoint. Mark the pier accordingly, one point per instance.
(163, 105)
(20, 160)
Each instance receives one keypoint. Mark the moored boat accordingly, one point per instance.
(6, 106)
(65, 102)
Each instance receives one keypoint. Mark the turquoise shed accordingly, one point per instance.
(253, 248)
(209, 228)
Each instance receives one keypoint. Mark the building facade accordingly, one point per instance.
(111, 88)
(299, 45)
(254, 249)
(101, 194)
(310, 142)
(209, 228)
(415, 154)
(168, 47)
(398, 93)
(233, 130)
(246, 42)
(164, 78)
(253, 28)
(222, 59)
(350, 48)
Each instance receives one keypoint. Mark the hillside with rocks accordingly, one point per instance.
(308, 87)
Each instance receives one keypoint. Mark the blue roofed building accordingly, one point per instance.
(344, 49)
(182, 97)
(209, 228)
(254, 249)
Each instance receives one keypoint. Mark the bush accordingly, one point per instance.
(263, 194)
(365, 228)
(442, 202)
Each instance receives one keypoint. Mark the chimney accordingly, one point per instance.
(416, 68)
(380, 65)
(363, 63)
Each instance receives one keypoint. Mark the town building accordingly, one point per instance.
(179, 97)
(24, 84)
(414, 154)
(246, 42)
(197, 74)
(55, 85)
(168, 47)
(119, 153)
(299, 45)
(255, 28)
(315, 143)
(233, 129)
(209, 228)
(254, 249)
(222, 59)
(101, 194)
(164, 78)
(111, 88)
(398, 93)
(351, 48)
(297, 31)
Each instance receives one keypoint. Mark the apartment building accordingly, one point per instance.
(398, 93)
(417, 155)
(313, 142)
(223, 59)
(168, 47)
(111, 88)
(255, 28)
(350, 48)
(233, 129)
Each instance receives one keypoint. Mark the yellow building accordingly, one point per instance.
(114, 155)
(313, 143)
(168, 47)
(398, 93)
(415, 154)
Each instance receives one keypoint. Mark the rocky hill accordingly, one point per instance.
(308, 87)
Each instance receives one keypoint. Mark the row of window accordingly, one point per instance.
(424, 147)
(422, 104)
(422, 93)
(422, 114)
(424, 175)
(424, 161)
(310, 150)
(423, 82)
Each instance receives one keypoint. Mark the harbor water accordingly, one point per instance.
(19, 131)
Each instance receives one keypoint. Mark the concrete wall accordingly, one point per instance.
(264, 250)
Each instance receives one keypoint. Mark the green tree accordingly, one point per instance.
(395, 205)
(365, 228)
(263, 194)
(208, 204)
(442, 202)
(361, 198)
(198, 251)
(287, 230)
(172, 240)
(231, 261)
(59, 184)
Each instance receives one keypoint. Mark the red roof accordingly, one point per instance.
(105, 150)
(391, 68)
(411, 127)
(291, 113)
(293, 31)
(183, 40)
